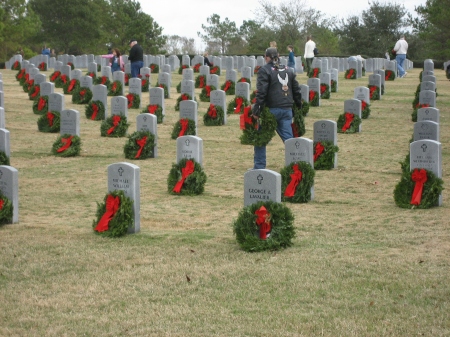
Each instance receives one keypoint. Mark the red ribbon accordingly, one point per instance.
(208, 91)
(350, 73)
(36, 91)
(245, 118)
(16, 64)
(315, 72)
(263, 222)
(71, 85)
(114, 87)
(318, 150)
(296, 177)
(227, 86)
(126, 78)
(82, 93)
(363, 105)
(67, 143)
(185, 172)
(42, 66)
(21, 74)
(295, 130)
(214, 70)
(130, 98)
(323, 88)
(64, 78)
(202, 81)
(197, 67)
(116, 121)
(419, 176)
(50, 118)
(91, 74)
(112, 206)
(239, 101)
(152, 108)
(372, 89)
(212, 112)
(243, 79)
(94, 111)
(55, 76)
(184, 122)
(104, 79)
(312, 94)
(141, 142)
(41, 103)
(2, 202)
(143, 83)
(348, 121)
(387, 75)
(184, 97)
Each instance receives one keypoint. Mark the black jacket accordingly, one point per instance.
(136, 54)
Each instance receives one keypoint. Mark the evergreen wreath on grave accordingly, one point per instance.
(314, 73)
(154, 68)
(417, 107)
(4, 159)
(140, 145)
(420, 76)
(24, 78)
(95, 111)
(305, 108)
(54, 76)
(114, 215)
(20, 74)
(180, 70)
(214, 116)
(197, 67)
(92, 75)
(67, 146)
(127, 77)
(200, 82)
(134, 101)
(166, 91)
(215, 70)
(313, 98)
(374, 92)
(145, 82)
(115, 89)
(333, 86)
(184, 127)
(415, 101)
(254, 135)
(70, 64)
(297, 179)
(324, 155)
(389, 75)
(237, 105)
(245, 80)
(103, 80)
(298, 122)
(40, 106)
(324, 91)
(154, 109)
(255, 71)
(348, 123)
(33, 94)
(265, 225)
(16, 66)
(253, 96)
(178, 87)
(206, 93)
(71, 86)
(82, 96)
(49, 122)
(27, 86)
(350, 74)
(42, 66)
(6, 209)
(114, 126)
(186, 178)
(382, 89)
(419, 188)
(229, 87)
(183, 97)
(405, 164)
(365, 109)
(61, 80)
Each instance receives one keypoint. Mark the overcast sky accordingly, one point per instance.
(185, 17)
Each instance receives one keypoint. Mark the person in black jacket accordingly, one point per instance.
(136, 58)
(206, 60)
(277, 89)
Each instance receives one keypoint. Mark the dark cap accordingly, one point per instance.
(132, 40)
(271, 52)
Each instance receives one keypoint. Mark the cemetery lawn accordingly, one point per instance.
(359, 265)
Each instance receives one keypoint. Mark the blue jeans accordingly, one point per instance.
(136, 68)
(284, 130)
(400, 58)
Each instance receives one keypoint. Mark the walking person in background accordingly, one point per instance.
(45, 51)
(206, 59)
(401, 48)
(136, 58)
(291, 59)
(310, 45)
(115, 60)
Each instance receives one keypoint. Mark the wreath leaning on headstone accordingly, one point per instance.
(92, 74)
(6, 210)
(154, 109)
(206, 93)
(257, 132)
(114, 126)
(333, 86)
(324, 155)
(348, 123)
(298, 122)
(324, 91)
(154, 68)
(166, 91)
(196, 67)
(67, 146)
(40, 105)
(28, 85)
(49, 122)
(16, 66)
(134, 101)
(145, 82)
(200, 82)
(127, 77)
(313, 98)
(140, 145)
(184, 127)
(114, 215)
(186, 178)
(418, 188)
(265, 225)
(314, 73)
(115, 89)
(417, 107)
(42, 66)
(229, 87)
(82, 95)
(61, 80)
(374, 92)
(365, 109)
(95, 110)
(4, 159)
(237, 105)
(54, 76)
(180, 70)
(178, 87)
(183, 97)
(71, 65)
(389, 75)
(34, 92)
(350, 74)
(214, 116)
(20, 75)
(103, 80)
(245, 80)
(297, 180)
(215, 70)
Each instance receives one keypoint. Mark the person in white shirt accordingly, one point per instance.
(309, 53)
(401, 48)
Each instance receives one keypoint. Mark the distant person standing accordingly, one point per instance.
(46, 51)
(291, 58)
(401, 48)
(115, 60)
(310, 45)
(136, 58)
(206, 60)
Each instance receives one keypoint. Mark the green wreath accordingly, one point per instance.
(145, 83)
(245, 80)
(215, 70)
(211, 119)
(180, 70)
(313, 98)
(365, 109)
(231, 108)
(132, 148)
(190, 131)
(122, 219)
(432, 188)
(325, 161)
(204, 97)
(127, 79)
(253, 96)
(103, 80)
(42, 66)
(354, 125)
(73, 149)
(6, 212)
(91, 74)
(179, 87)
(417, 107)
(120, 130)
(49, 122)
(333, 86)
(40, 106)
(72, 67)
(166, 91)
(350, 74)
(150, 109)
(115, 89)
(134, 101)
(264, 134)
(197, 82)
(374, 92)
(54, 76)
(82, 96)
(154, 68)
(28, 85)
(303, 189)
(183, 97)
(194, 184)
(16, 66)
(196, 67)
(4, 159)
(324, 91)
(314, 72)
(24, 78)
(230, 87)
(305, 108)
(33, 93)
(61, 80)
(389, 75)
(20, 75)
(405, 164)
(95, 110)
(417, 93)
(298, 123)
(282, 229)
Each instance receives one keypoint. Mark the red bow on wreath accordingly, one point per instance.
(50, 118)
(372, 89)
(152, 108)
(2, 202)
(239, 101)
(227, 86)
(202, 81)
(318, 150)
(67, 142)
(245, 118)
(71, 85)
(36, 91)
(420, 178)
(296, 177)
(141, 143)
(350, 73)
(348, 121)
(185, 172)
(184, 122)
(112, 206)
(208, 90)
(263, 221)
(116, 121)
(130, 98)
(212, 112)
(94, 111)
(312, 94)
(41, 103)
(104, 79)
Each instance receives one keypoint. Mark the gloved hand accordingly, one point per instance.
(256, 110)
(299, 104)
